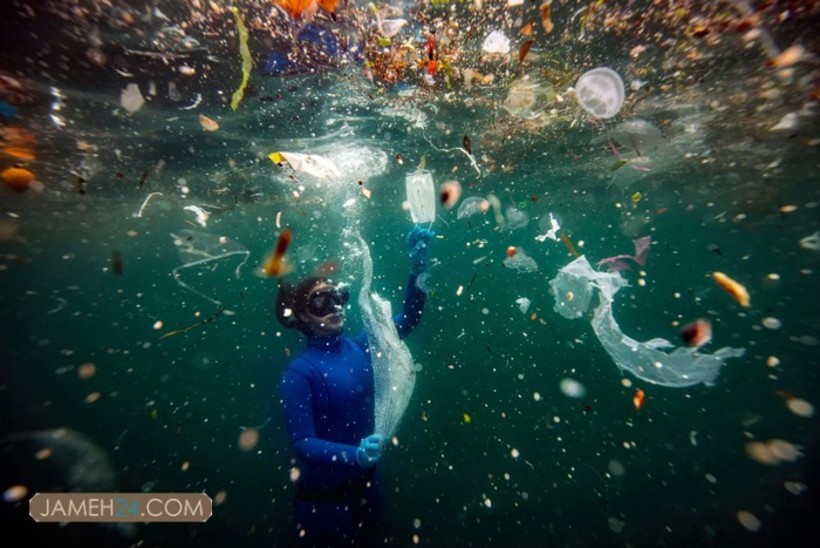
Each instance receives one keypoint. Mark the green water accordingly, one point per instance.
(491, 452)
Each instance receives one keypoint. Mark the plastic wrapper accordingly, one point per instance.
(656, 361)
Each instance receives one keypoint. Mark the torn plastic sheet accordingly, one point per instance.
(312, 164)
(573, 289)
(615, 264)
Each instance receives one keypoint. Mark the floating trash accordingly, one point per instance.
(697, 333)
(735, 289)
(131, 98)
(497, 43)
(646, 360)
(450, 193)
(748, 520)
(421, 195)
(811, 242)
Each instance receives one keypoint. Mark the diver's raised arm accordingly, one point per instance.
(418, 251)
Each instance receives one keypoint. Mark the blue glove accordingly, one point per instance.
(417, 248)
(370, 450)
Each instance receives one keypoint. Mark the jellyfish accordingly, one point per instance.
(472, 205)
(636, 134)
(516, 218)
(520, 261)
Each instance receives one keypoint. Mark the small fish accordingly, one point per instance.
(275, 264)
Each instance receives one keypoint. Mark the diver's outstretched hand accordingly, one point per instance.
(370, 450)
(417, 248)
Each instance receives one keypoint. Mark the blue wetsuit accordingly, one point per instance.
(327, 396)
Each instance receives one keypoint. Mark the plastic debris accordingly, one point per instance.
(523, 304)
(600, 92)
(247, 62)
(646, 360)
(616, 264)
(200, 248)
(391, 27)
(202, 216)
(496, 42)
(450, 193)
(788, 123)
(208, 124)
(131, 99)
(735, 289)
(421, 195)
(809, 242)
(312, 164)
(552, 232)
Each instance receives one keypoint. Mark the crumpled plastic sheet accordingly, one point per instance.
(574, 288)
(394, 371)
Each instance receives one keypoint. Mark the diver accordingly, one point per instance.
(328, 400)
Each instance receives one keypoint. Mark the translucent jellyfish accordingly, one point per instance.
(527, 99)
(521, 262)
(636, 134)
(471, 205)
(516, 218)
(573, 288)
(601, 92)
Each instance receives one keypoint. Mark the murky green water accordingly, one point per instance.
(491, 452)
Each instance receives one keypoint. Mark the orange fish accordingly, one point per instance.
(733, 288)
(638, 399)
(275, 264)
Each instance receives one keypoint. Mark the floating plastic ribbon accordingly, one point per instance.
(573, 289)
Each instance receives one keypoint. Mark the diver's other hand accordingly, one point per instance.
(370, 450)
(417, 248)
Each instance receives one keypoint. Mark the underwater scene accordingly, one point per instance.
(604, 216)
